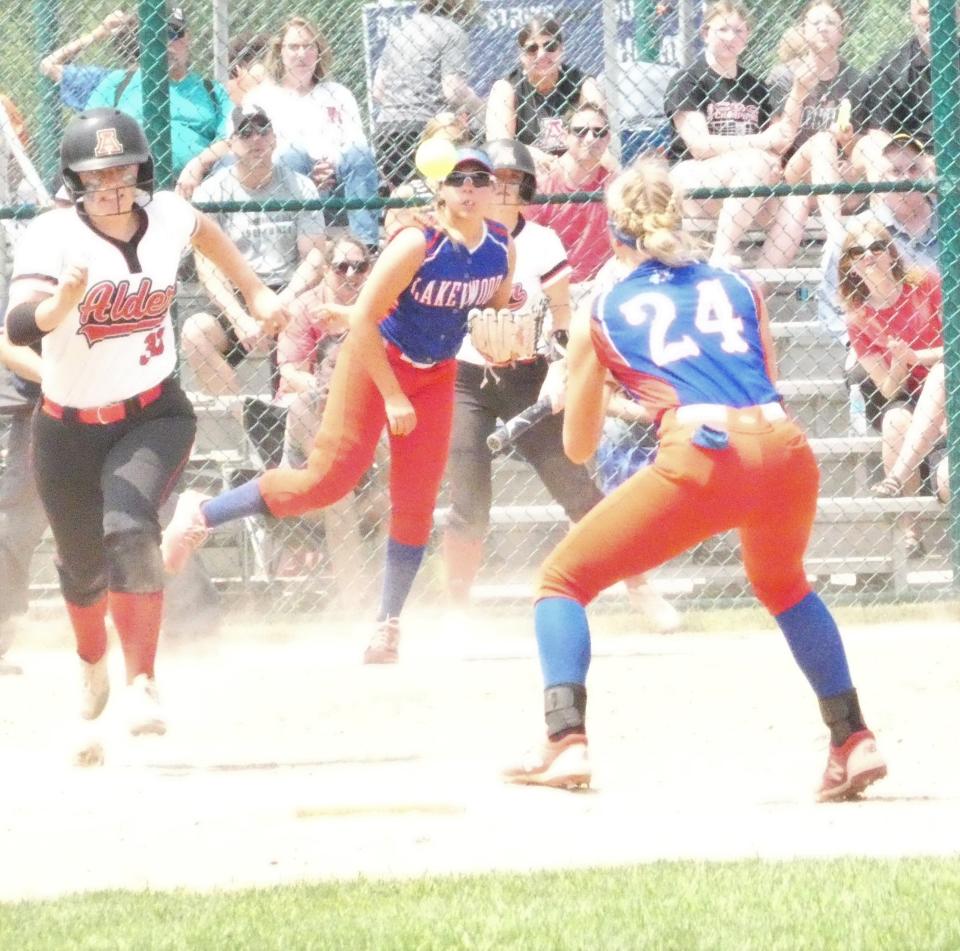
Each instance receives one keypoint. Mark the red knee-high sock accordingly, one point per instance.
(137, 620)
(90, 628)
(461, 558)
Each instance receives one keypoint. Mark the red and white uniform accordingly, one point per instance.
(541, 261)
(119, 341)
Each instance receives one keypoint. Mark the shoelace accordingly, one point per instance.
(386, 634)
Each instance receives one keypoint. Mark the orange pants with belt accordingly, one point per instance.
(343, 449)
(764, 483)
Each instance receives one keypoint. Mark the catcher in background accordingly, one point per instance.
(691, 342)
(397, 368)
(519, 374)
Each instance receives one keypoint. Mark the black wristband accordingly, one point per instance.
(22, 329)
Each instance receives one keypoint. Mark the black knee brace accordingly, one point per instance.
(134, 563)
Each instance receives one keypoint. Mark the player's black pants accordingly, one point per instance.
(478, 405)
(99, 482)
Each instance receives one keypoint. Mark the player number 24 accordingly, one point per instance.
(715, 315)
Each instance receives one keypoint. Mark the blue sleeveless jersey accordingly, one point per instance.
(678, 335)
(429, 320)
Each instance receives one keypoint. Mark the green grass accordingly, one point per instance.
(849, 904)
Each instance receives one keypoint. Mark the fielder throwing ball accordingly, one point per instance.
(397, 367)
(690, 342)
(94, 282)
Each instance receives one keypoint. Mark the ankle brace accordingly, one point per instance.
(565, 709)
(842, 715)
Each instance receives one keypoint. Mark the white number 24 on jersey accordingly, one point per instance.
(715, 315)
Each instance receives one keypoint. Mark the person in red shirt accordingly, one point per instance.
(894, 323)
(582, 228)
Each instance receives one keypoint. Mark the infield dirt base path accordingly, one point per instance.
(288, 761)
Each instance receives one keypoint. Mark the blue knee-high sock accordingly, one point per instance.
(235, 503)
(403, 563)
(563, 638)
(813, 637)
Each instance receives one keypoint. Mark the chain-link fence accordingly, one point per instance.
(810, 128)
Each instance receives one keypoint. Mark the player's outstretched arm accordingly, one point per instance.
(262, 303)
(583, 416)
(395, 269)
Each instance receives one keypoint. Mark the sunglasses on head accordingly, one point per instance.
(351, 267)
(551, 46)
(582, 131)
(476, 179)
(875, 247)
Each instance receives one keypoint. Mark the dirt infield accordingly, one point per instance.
(288, 761)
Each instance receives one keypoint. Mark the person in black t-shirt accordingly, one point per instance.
(530, 104)
(895, 97)
(821, 152)
(726, 130)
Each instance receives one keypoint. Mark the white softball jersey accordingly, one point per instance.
(541, 260)
(119, 340)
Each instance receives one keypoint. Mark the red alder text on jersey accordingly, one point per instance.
(109, 310)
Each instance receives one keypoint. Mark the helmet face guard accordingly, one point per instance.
(511, 155)
(104, 138)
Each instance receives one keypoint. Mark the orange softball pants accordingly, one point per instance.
(344, 447)
(764, 483)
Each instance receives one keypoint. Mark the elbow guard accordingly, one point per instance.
(22, 329)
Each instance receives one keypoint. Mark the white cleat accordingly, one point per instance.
(658, 613)
(185, 533)
(144, 713)
(94, 689)
(564, 764)
(6, 639)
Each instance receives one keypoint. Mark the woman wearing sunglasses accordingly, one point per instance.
(397, 369)
(529, 105)
(894, 322)
(307, 349)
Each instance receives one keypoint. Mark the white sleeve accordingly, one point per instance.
(353, 133)
(552, 258)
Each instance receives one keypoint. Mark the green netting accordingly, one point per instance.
(797, 131)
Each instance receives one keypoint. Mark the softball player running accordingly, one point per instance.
(397, 368)
(691, 342)
(94, 282)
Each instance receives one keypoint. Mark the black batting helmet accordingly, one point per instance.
(104, 138)
(514, 156)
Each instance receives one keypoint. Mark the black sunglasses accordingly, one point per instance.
(477, 179)
(551, 46)
(582, 131)
(876, 247)
(351, 267)
(176, 34)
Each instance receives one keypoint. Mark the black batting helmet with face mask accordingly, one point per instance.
(104, 138)
(513, 156)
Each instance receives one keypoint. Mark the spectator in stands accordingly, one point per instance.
(423, 71)
(582, 227)
(530, 104)
(307, 349)
(246, 70)
(317, 121)
(727, 131)
(199, 108)
(277, 246)
(927, 429)
(895, 96)
(820, 152)
(910, 217)
(894, 322)
(76, 83)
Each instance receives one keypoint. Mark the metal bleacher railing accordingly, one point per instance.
(636, 48)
